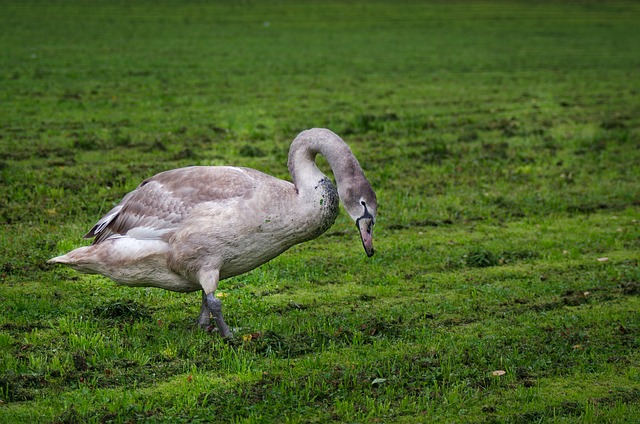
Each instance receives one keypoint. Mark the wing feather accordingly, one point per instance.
(159, 204)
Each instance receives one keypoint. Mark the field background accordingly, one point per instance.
(502, 138)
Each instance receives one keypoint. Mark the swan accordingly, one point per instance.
(186, 229)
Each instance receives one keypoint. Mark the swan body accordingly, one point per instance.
(186, 229)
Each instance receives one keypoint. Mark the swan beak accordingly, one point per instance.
(365, 226)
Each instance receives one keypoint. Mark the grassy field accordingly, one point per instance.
(502, 138)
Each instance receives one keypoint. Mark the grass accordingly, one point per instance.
(502, 140)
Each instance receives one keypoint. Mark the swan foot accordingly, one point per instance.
(215, 307)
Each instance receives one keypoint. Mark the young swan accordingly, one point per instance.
(188, 228)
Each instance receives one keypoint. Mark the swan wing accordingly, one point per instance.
(161, 203)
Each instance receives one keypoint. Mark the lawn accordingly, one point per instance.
(502, 139)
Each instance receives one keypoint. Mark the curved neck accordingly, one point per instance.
(302, 165)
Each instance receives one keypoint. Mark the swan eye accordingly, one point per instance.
(366, 211)
(365, 215)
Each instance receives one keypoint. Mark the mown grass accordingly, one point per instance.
(502, 140)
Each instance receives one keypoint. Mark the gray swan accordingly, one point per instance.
(186, 229)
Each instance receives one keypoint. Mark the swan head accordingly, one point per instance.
(363, 209)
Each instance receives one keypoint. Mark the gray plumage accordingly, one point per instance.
(186, 229)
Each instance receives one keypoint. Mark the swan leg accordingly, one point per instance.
(215, 306)
(209, 282)
(204, 319)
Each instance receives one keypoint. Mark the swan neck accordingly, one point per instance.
(302, 159)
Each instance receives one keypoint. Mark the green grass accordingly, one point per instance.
(502, 139)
